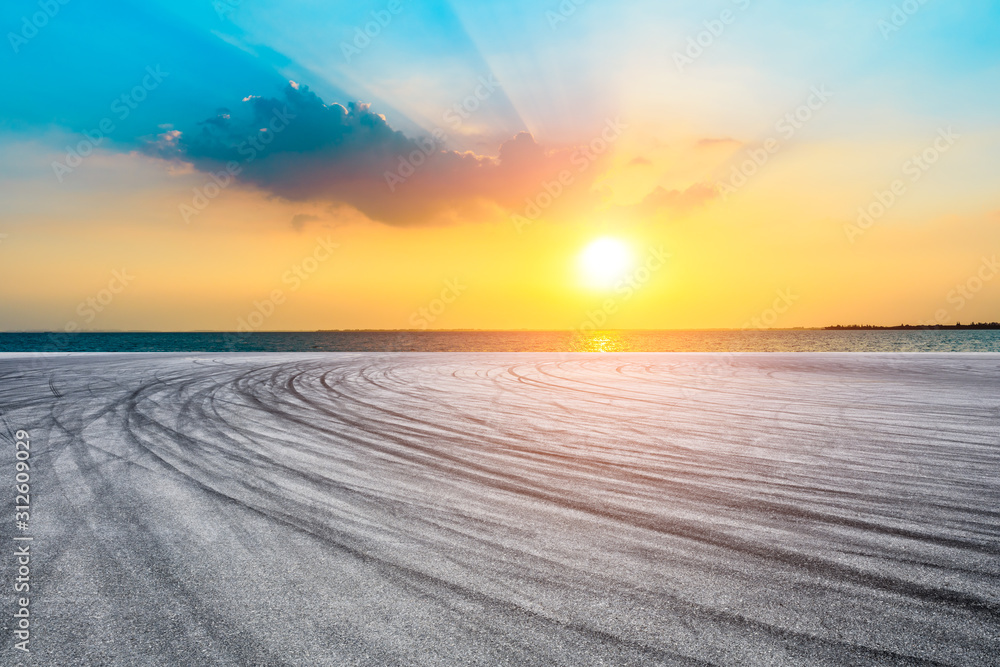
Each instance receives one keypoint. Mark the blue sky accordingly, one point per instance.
(555, 81)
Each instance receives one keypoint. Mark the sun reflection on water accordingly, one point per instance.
(600, 341)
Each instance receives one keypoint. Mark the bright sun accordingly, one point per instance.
(605, 261)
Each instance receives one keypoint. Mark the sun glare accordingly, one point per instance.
(604, 262)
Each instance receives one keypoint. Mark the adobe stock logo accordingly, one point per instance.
(363, 35)
(92, 306)
(226, 8)
(915, 167)
(122, 107)
(566, 9)
(250, 148)
(625, 288)
(296, 275)
(582, 159)
(788, 126)
(698, 44)
(37, 21)
(900, 16)
(425, 316)
(768, 317)
(966, 291)
(426, 147)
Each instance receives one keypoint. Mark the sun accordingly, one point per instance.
(604, 262)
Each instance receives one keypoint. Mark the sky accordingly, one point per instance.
(264, 165)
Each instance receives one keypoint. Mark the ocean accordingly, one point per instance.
(512, 341)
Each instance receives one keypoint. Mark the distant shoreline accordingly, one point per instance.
(976, 326)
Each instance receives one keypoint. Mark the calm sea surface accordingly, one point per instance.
(511, 341)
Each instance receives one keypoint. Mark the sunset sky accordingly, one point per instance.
(182, 165)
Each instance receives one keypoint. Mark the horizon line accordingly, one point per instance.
(852, 327)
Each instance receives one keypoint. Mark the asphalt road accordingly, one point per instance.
(519, 509)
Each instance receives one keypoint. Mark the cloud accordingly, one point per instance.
(302, 149)
(299, 220)
(640, 162)
(713, 142)
(679, 201)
